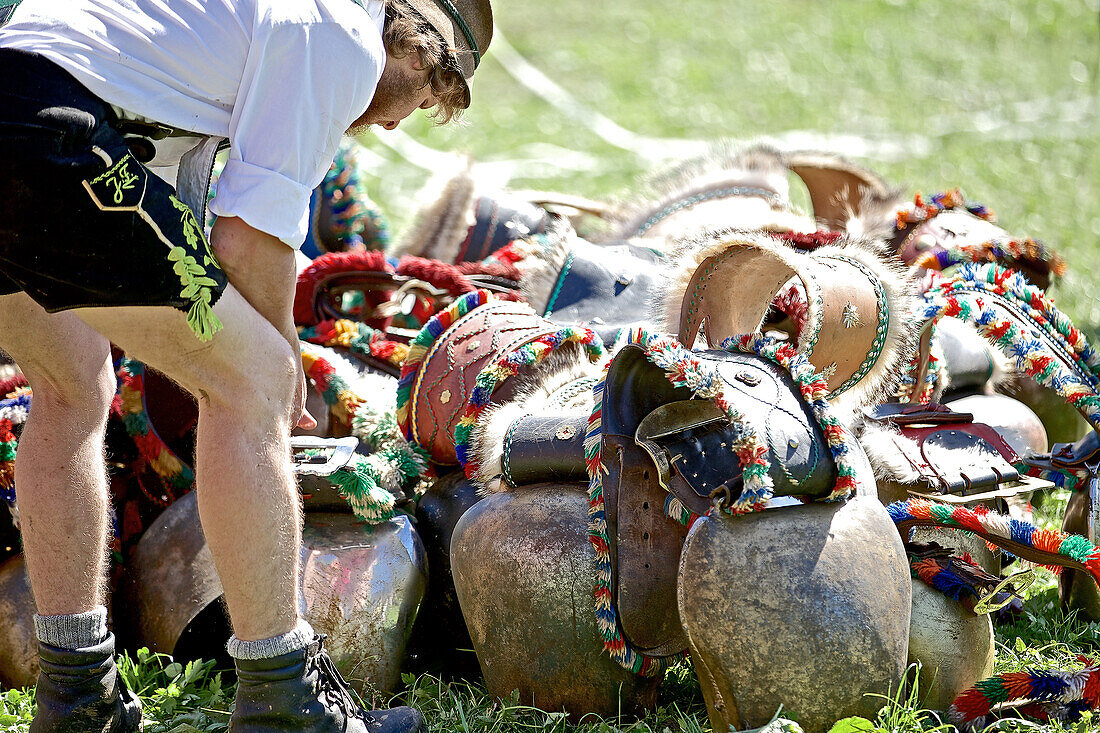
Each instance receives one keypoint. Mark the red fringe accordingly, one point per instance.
(12, 383)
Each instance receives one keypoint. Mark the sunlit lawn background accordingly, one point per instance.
(996, 97)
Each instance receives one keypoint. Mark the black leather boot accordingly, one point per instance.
(79, 691)
(301, 692)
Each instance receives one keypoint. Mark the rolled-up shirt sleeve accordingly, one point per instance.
(304, 83)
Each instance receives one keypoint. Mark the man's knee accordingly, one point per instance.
(83, 390)
(261, 383)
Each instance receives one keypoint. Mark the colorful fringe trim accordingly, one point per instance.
(1005, 250)
(1061, 478)
(419, 347)
(508, 365)
(357, 337)
(815, 390)
(16, 407)
(941, 576)
(997, 527)
(682, 369)
(1035, 303)
(353, 212)
(8, 445)
(129, 406)
(962, 297)
(1049, 695)
(370, 482)
(923, 210)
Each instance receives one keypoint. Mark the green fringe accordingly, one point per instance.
(204, 324)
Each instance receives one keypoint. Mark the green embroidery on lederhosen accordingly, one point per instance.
(196, 283)
(122, 187)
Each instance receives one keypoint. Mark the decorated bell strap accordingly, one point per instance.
(369, 344)
(1068, 465)
(313, 278)
(962, 580)
(700, 380)
(604, 286)
(1014, 293)
(176, 476)
(544, 448)
(858, 302)
(947, 230)
(1040, 341)
(538, 435)
(441, 377)
(500, 219)
(506, 365)
(1047, 547)
(364, 403)
(344, 215)
(1042, 695)
(934, 451)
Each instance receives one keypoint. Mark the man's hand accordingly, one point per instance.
(261, 268)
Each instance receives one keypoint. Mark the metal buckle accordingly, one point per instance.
(1011, 587)
(1094, 499)
(334, 454)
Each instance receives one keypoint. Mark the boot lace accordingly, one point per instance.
(330, 684)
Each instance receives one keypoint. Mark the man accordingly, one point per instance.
(94, 248)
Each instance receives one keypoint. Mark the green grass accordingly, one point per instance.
(998, 98)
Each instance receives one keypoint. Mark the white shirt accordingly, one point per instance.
(281, 79)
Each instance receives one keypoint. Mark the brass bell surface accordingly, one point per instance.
(523, 569)
(804, 606)
(362, 586)
(358, 584)
(440, 640)
(18, 644)
(953, 646)
(171, 583)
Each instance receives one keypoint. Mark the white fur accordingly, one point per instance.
(532, 398)
(445, 215)
(724, 165)
(886, 458)
(539, 270)
(379, 389)
(7, 371)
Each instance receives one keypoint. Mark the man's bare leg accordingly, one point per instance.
(60, 473)
(245, 381)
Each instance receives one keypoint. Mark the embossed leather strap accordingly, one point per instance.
(445, 380)
(848, 312)
(545, 448)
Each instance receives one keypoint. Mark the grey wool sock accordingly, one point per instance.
(73, 630)
(291, 641)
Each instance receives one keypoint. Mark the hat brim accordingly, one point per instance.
(452, 37)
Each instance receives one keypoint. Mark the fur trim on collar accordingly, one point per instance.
(532, 397)
(785, 263)
(445, 215)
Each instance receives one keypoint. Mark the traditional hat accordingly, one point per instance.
(466, 27)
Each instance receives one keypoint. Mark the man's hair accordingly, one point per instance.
(406, 33)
